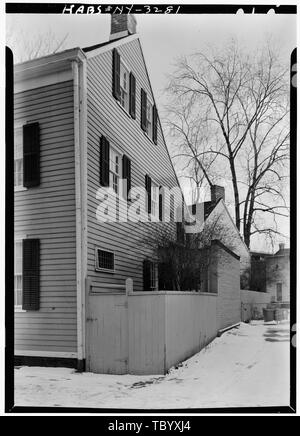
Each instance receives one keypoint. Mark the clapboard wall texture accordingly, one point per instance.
(106, 117)
(47, 212)
(227, 270)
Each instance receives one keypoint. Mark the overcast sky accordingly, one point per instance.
(165, 37)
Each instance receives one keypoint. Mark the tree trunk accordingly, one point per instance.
(236, 194)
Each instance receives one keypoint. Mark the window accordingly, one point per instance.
(150, 275)
(115, 163)
(153, 276)
(18, 159)
(149, 116)
(154, 199)
(124, 86)
(149, 111)
(279, 291)
(18, 279)
(105, 260)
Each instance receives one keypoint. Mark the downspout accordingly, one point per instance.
(80, 203)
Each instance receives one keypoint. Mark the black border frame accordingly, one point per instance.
(57, 8)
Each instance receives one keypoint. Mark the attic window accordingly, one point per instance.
(105, 260)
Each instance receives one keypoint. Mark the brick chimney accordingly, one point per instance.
(122, 25)
(281, 246)
(217, 192)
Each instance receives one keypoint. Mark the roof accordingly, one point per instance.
(102, 44)
(209, 206)
(282, 252)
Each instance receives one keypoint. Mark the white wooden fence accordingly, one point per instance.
(147, 332)
(252, 304)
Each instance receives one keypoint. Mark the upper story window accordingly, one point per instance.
(154, 199)
(27, 156)
(148, 116)
(113, 167)
(114, 170)
(123, 84)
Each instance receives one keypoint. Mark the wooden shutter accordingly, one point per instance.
(116, 75)
(160, 205)
(180, 232)
(104, 162)
(143, 110)
(148, 184)
(132, 95)
(31, 274)
(172, 208)
(31, 155)
(126, 172)
(154, 133)
(146, 275)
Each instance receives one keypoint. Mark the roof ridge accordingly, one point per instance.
(102, 44)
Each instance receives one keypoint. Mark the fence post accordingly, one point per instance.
(129, 291)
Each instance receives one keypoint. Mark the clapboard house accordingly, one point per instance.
(86, 292)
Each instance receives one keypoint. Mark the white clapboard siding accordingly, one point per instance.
(47, 212)
(105, 116)
(228, 287)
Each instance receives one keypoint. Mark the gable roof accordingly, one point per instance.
(102, 44)
(209, 208)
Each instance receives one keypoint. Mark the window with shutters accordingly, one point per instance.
(18, 278)
(115, 163)
(104, 260)
(149, 116)
(18, 159)
(124, 86)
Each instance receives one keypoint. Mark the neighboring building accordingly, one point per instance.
(278, 275)
(218, 219)
(271, 273)
(86, 291)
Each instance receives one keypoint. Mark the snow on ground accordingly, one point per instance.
(246, 366)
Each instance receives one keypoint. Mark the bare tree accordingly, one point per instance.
(27, 47)
(227, 112)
